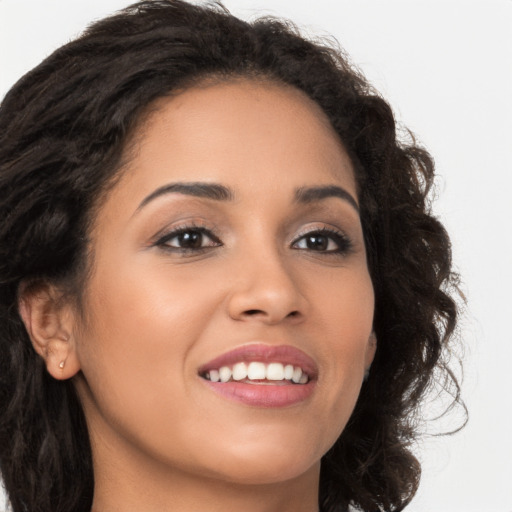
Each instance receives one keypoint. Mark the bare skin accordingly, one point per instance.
(181, 277)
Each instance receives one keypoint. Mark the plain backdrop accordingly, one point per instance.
(446, 68)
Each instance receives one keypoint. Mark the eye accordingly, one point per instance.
(188, 239)
(324, 240)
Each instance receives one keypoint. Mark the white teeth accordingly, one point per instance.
(239, 371)
(275, 371)
(297, 374)
(256, 371)
(225, 373)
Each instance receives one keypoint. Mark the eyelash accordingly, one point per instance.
(343, 243)
(163, 242)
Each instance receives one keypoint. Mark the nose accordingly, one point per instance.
(265, 290)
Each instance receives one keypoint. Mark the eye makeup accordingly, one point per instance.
(190, 238)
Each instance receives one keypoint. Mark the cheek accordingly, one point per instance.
(148, 301)
(345, 318)
(141, 326)
(344, 309)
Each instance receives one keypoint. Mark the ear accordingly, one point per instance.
(49, 322)
(371, 348)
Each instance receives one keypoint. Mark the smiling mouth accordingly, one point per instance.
(262, 375)
(257, 372)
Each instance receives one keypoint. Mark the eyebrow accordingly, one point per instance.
(197, 189)
(218, 192)
(307, 195)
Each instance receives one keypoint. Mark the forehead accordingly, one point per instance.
(243, 132)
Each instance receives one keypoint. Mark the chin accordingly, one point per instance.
(266, 472)
(267, 462)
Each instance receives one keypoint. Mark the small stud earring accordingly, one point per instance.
(366, 374)
(61, 365)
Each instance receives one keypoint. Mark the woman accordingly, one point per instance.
(221, 286)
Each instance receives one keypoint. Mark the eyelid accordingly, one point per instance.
(343, 241)
(180, 225)
(163, 236)
(346, 247)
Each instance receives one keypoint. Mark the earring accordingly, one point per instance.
(61, 365)
(366, 374)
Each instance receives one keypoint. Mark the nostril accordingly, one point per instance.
(253, 312)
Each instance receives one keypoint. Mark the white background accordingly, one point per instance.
(446, 68)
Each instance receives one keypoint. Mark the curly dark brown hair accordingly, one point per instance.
(64, 128)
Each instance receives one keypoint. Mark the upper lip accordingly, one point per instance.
(284, 354)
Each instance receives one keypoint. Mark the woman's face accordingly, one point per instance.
(231, 244)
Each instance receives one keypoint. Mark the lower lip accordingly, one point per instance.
(263, 395)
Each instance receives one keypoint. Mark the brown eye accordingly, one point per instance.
(326, 241)
(317, 242)
(189, 239)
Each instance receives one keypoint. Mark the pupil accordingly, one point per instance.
(190, 239)
(317, 242)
